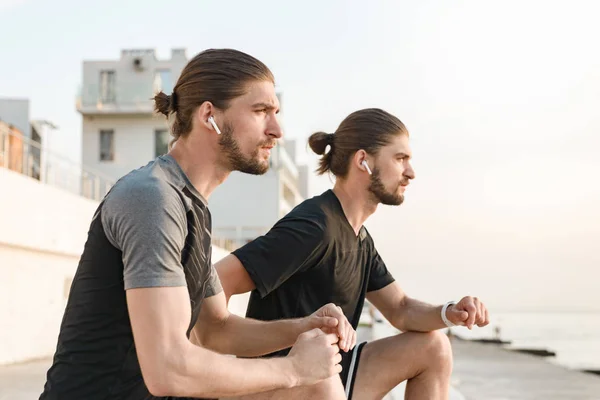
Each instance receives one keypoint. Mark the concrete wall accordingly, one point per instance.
(33, 293)
(133, 142)
(42, 234)
(42, 217)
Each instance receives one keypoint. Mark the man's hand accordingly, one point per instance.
(315, 357)
(331, 319)
(468, 312)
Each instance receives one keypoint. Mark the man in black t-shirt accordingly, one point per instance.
(321, 253)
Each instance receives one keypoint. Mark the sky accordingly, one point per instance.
(501, 100)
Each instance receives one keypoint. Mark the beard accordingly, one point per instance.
(380, 193)
(251, 164)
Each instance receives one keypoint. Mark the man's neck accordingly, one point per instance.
(357, 204)
(201, 165)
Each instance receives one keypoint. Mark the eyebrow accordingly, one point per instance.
(268, 106)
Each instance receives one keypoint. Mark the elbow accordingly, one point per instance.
(180, 377)
(213, 335)
(165, 378)
(160, 383)
(164, 387)
(400, 317)
(399, 324)
(159, 387)
(207, 340)
(397, 320)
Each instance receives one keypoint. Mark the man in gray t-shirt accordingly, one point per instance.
(146, 316)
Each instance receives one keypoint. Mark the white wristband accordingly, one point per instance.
(444, 308)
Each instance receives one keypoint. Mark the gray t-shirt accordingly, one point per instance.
(160, 222)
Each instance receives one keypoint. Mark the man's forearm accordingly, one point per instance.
(246, 337)
(417, 316)
(198, 372)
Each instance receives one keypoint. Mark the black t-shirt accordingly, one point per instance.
(309, 258)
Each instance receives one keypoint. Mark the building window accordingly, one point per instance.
(107, 145)
(107, 87)
(161, 142)
(163, 81)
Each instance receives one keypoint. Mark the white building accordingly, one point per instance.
(121, 133)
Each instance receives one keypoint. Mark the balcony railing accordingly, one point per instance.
(27, 157)
(116, 107)
(126, 98)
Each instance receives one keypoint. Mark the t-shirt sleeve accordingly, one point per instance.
(291, 246)
(379, 276)
(146, 221)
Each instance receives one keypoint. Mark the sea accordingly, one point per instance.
(573, 336)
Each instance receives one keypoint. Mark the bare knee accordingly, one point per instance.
(438, 351)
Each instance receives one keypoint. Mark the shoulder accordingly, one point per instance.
(320, 209)
(310, 215)
(146, 190)
(143, 202)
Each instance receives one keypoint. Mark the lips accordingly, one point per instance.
(268, 145)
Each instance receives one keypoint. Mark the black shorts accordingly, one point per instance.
(350, 362)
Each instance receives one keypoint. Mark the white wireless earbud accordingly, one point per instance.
(211, 119)
(364, 163)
